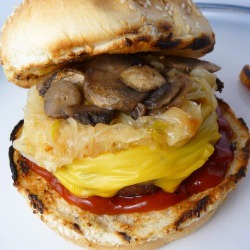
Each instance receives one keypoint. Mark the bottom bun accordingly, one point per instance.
(147, 230)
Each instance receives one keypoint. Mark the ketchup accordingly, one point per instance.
(208, 176)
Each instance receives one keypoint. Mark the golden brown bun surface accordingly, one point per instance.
(137, 230)
(44, 35)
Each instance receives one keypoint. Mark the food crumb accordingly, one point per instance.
(245, 75)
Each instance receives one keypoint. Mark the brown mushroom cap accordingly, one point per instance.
(142, 78)
(89, 114)
(60, 95)
(104, 88)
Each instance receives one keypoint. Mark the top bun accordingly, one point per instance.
(44, 35)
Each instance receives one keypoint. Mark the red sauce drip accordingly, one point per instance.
(210, 175)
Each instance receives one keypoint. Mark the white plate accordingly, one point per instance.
(228, 229)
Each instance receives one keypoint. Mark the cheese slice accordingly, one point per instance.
(166, 166)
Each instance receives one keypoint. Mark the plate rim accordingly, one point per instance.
(223, 7)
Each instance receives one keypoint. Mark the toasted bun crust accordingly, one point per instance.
(136, 230)
(44, 35)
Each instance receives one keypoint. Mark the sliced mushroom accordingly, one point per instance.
(167, 93)
(138, 85)
(175, 101)
(162, 96)
(90, 115)
(103, 88)
(183, 64)
(142, 78)
(42, 87)
(60, 95)
(140, 110)
(187, 64)
(68, 74)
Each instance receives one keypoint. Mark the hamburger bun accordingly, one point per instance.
(148, 230)
(60, 37)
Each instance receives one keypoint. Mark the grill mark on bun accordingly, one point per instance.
(23, 165)
(14, 133)
(242, 121)
(125, 236)
(167, 42)
(240, 174)
(36, 203)
(13, 166)
(76, 227)
(128, 42)
(200, 42)
(143, 39)
(246, 151)
(199, 207)
(164, 26)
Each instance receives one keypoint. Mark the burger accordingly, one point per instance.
(124, 143)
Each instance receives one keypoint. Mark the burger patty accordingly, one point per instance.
(137, 190)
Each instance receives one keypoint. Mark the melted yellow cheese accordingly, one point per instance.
(166, 167)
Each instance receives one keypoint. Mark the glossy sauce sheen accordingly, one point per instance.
(210, 175)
